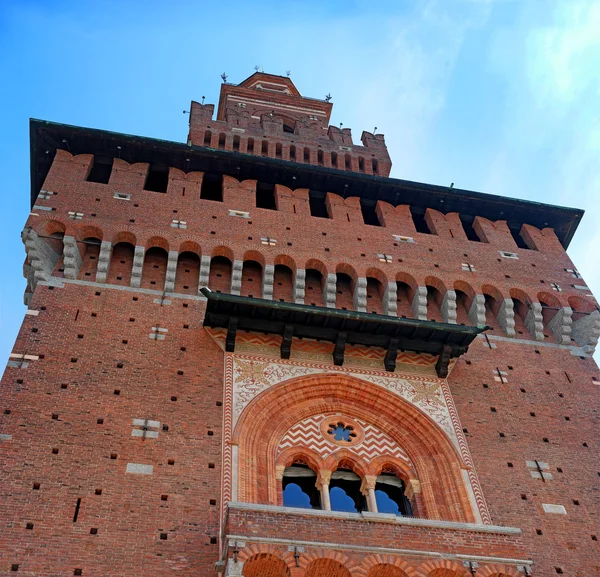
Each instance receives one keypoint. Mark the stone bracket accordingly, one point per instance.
(231, 333)
(390, 356)
(441, 367)
(339, 349)
(286, 341)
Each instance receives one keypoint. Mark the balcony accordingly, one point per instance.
(306, 542)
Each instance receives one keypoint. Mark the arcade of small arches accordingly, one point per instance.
(267, 561)
(556, 318)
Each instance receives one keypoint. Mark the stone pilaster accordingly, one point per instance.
(171, 271)
(419, 303)
(448, 308)
(138, 265)
(390, 299)
(299, 289)
(236, 277)
(359, 298)
(267, 282)
(103, 261)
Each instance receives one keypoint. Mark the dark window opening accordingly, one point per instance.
(390, 497)
(347, 161)
(317, 204)
(344, 492)
(299, 489)
(368, 212)
(250, 147)
(100, 170)
(320, 157)
(375, 166)
(265, 196)
(157, 178)
(292, 152)
(418, 216)
(222, 140)
(334, 159)
(278, 150)
(287, 128)
(264, 148)
(207, 137)
(361, 164)
(212, 187)
(518, 238)
(306, 155)
(236, 143)
(467, 223)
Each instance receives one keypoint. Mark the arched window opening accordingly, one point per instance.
(264, 149)
(347, 161)
(375, 166)
(121, 263)
(251, 279)
(265, 565)
(157, 178)
(463, 303)
(317, 204)
(55, 242)
(100, 169)
(207, 137)
(299, 487)
(343, 287)
(320, 157)
(368, 212)
(154, 270)
(187, 274)
(90, 251)
(418, 216)
(283, 283)
(434, 302)
(361, 164)
(219, 279)
(236, 143)
(334, 159)
(278, 150)
(222, 140)
(404, 298)
(344, 492)
(313, 288)
(288, 129)
(492, 308)
(374, 296)
(265, 196)
(250, 147)
(292, 152)
(212, 187)
(306, 155)
(390, 497)
(467, 224)
(521, 310)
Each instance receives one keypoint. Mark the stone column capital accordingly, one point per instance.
(323, 478)
(368, 483)
(413, 488)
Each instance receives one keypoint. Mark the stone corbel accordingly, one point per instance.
(299, 290)
(477, 311)
(204, 276)
(390, 300)
(448, 308)
(560, 325)
(236, 277)
(267, 283)
(138, 265)
(535, 322)
(103, 261)
(359, 298)
(330, 291)
(171, 271)
(419, 303)
(506, 317)
(71, 257)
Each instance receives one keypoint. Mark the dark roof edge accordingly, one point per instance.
(570, 216)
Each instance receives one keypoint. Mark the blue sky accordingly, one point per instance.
(499, 96)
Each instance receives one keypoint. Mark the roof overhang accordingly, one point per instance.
(47, 137)
(337, 326)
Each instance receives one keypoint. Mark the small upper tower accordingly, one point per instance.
(266, 115)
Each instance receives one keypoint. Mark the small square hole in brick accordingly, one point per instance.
(19, 381)
(545, 439)
(523, 390)
(131, 320)
(186, 326)
(539, 532)
(185, 305)
(561, 395)
(183, 349)
(73, 360)
(98, 491)
(510, 465)
(585, 444)
(34, 330)
(180, 372)
(164, 497)
(493, 409)
(54, 416)
(523, 496)
(50, 288)
(210, 433)
(575, 502)
(171, 461)
(211, 465)
(7, 411)
(135, 298)
(14, 567)
(485, 386)
(113, 456)
(78, 572)
(124, 341)
(213, 540)
(567, 418)
(213, 502)
(547, 372)
(36, 486)
(219, 404)
(29, 526)
(173, 399)
(117, 392)
(98, 293)
(93, 531)
(165, 427)
(100, 421)
(502, 435)
(119, 365)
(55, 451)
(594, 537)
(532, 414)
(94, 314)
(558, 570)
(163, 536)
(152, 282)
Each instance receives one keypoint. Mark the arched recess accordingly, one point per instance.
(270, 415)
(121, 263)
(188, 272)
(386, 570)
(376, 285)
(465, 294)
(328, 567)
(344, 286)
(314, 285)
(54, 232)
(493, 302)
(435, 296)
(550, 307)
(265, 565)
(89, 249)
(252, 272)
(154, 270)
(283, 283)
(521, 304)
(406, 285)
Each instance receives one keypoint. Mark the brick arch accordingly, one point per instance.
(317, 265)
(190, 246)
(325, 563)
(520, 294)
(384, 566)
(499, 570)
(265, 565)
(271, 414)
(285, 260)
(408, 279)
(346, 458)
(124, 236)
(399, 467)
(377, 274)
(52, 227)
(465, 287)
(346, 268)
(255, 256)
(88, 231)
(223, 251)
(312, 458)
(157, 241)
(494, 292)
(581, 305)
(436, 283)
(442, 568)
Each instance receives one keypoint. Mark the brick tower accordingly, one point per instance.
(255, 354)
